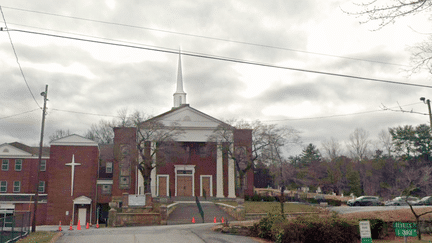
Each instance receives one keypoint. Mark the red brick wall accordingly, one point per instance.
(28, 207)
(27, 176)
(103, 198)
(205, 164)
(59, 190)
(243, 137)
(124, 136)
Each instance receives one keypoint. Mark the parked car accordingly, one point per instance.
(424, 201)
(365, 201)
(402, 201)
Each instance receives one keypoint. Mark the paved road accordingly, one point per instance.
(186, 210)
(190, 233)
(343, 210)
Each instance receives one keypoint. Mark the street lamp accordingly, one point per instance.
(429, 107)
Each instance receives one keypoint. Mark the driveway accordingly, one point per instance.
(185, 211)
(187, 233)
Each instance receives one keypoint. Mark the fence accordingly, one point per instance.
(14, 227)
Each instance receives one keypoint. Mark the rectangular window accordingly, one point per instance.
(43, 165)
(108, 168)
(5, 164)
(3, 186)
(106, 189)
(17, 186)
(41, 186)
(18, 164)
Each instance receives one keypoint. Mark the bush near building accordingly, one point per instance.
(307, 229)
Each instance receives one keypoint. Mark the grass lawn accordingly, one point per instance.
(39, 237)
(425, 238)
(274, 207)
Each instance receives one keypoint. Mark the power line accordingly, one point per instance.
(22, 113)
(205, 37)
(17, 60)
(220, 58)
(341, 115)
(84, 113)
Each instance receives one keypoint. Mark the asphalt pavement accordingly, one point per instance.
(186, 211)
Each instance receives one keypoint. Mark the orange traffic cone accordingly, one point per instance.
(87, 226)
(70, 226)
(193, 220)
(214, 220)
(60, 226)
(79, 225)
(97, 226)
(223, 221)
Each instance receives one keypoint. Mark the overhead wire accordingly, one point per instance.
(220, 58)
(22, 113)
(17, 60)
(204, 37)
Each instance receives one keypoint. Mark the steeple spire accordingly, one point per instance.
(179, 95)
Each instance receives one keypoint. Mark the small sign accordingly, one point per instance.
(405, 229)
(365, 232)
(137, 200)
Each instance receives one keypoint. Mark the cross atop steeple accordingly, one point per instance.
(179, 95)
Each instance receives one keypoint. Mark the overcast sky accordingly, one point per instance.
(89, 78)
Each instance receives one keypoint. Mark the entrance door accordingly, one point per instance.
(162, 186)
(184, 186)
(82, 215)
(206, 186)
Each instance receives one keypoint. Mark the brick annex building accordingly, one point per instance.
(79, 176)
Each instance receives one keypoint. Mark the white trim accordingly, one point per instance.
(82, 200)
(211, 185)
(219, 172)
(153, 171)
(185, 167)
(167, 184)
(231, 176)
(104, 182)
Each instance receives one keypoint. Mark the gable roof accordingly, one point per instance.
(186, 116)
(196, 126)
(19, 150)
(73, 140)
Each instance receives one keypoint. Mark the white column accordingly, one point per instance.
(231, 176)
(140, 179)
(219, 172)
(153, 172)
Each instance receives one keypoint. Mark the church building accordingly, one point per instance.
(78, 177)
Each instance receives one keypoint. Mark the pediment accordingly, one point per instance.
(189, 117)
(74, 140)
(82, 200)
(9, 151)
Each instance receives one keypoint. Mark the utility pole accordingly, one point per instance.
(36, 198)
(429, 107)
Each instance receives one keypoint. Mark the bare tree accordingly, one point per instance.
(332, 148)
(102, 132)
(154, 139)
(386, 12)
(385, 140)
(358, 144)
(59, 134)
(264, 139)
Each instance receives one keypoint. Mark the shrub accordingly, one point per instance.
(268, 227)
(306, 229)
(315, 229)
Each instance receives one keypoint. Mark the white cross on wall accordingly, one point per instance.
(73, 164)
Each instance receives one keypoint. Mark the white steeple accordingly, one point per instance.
(179, 95)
